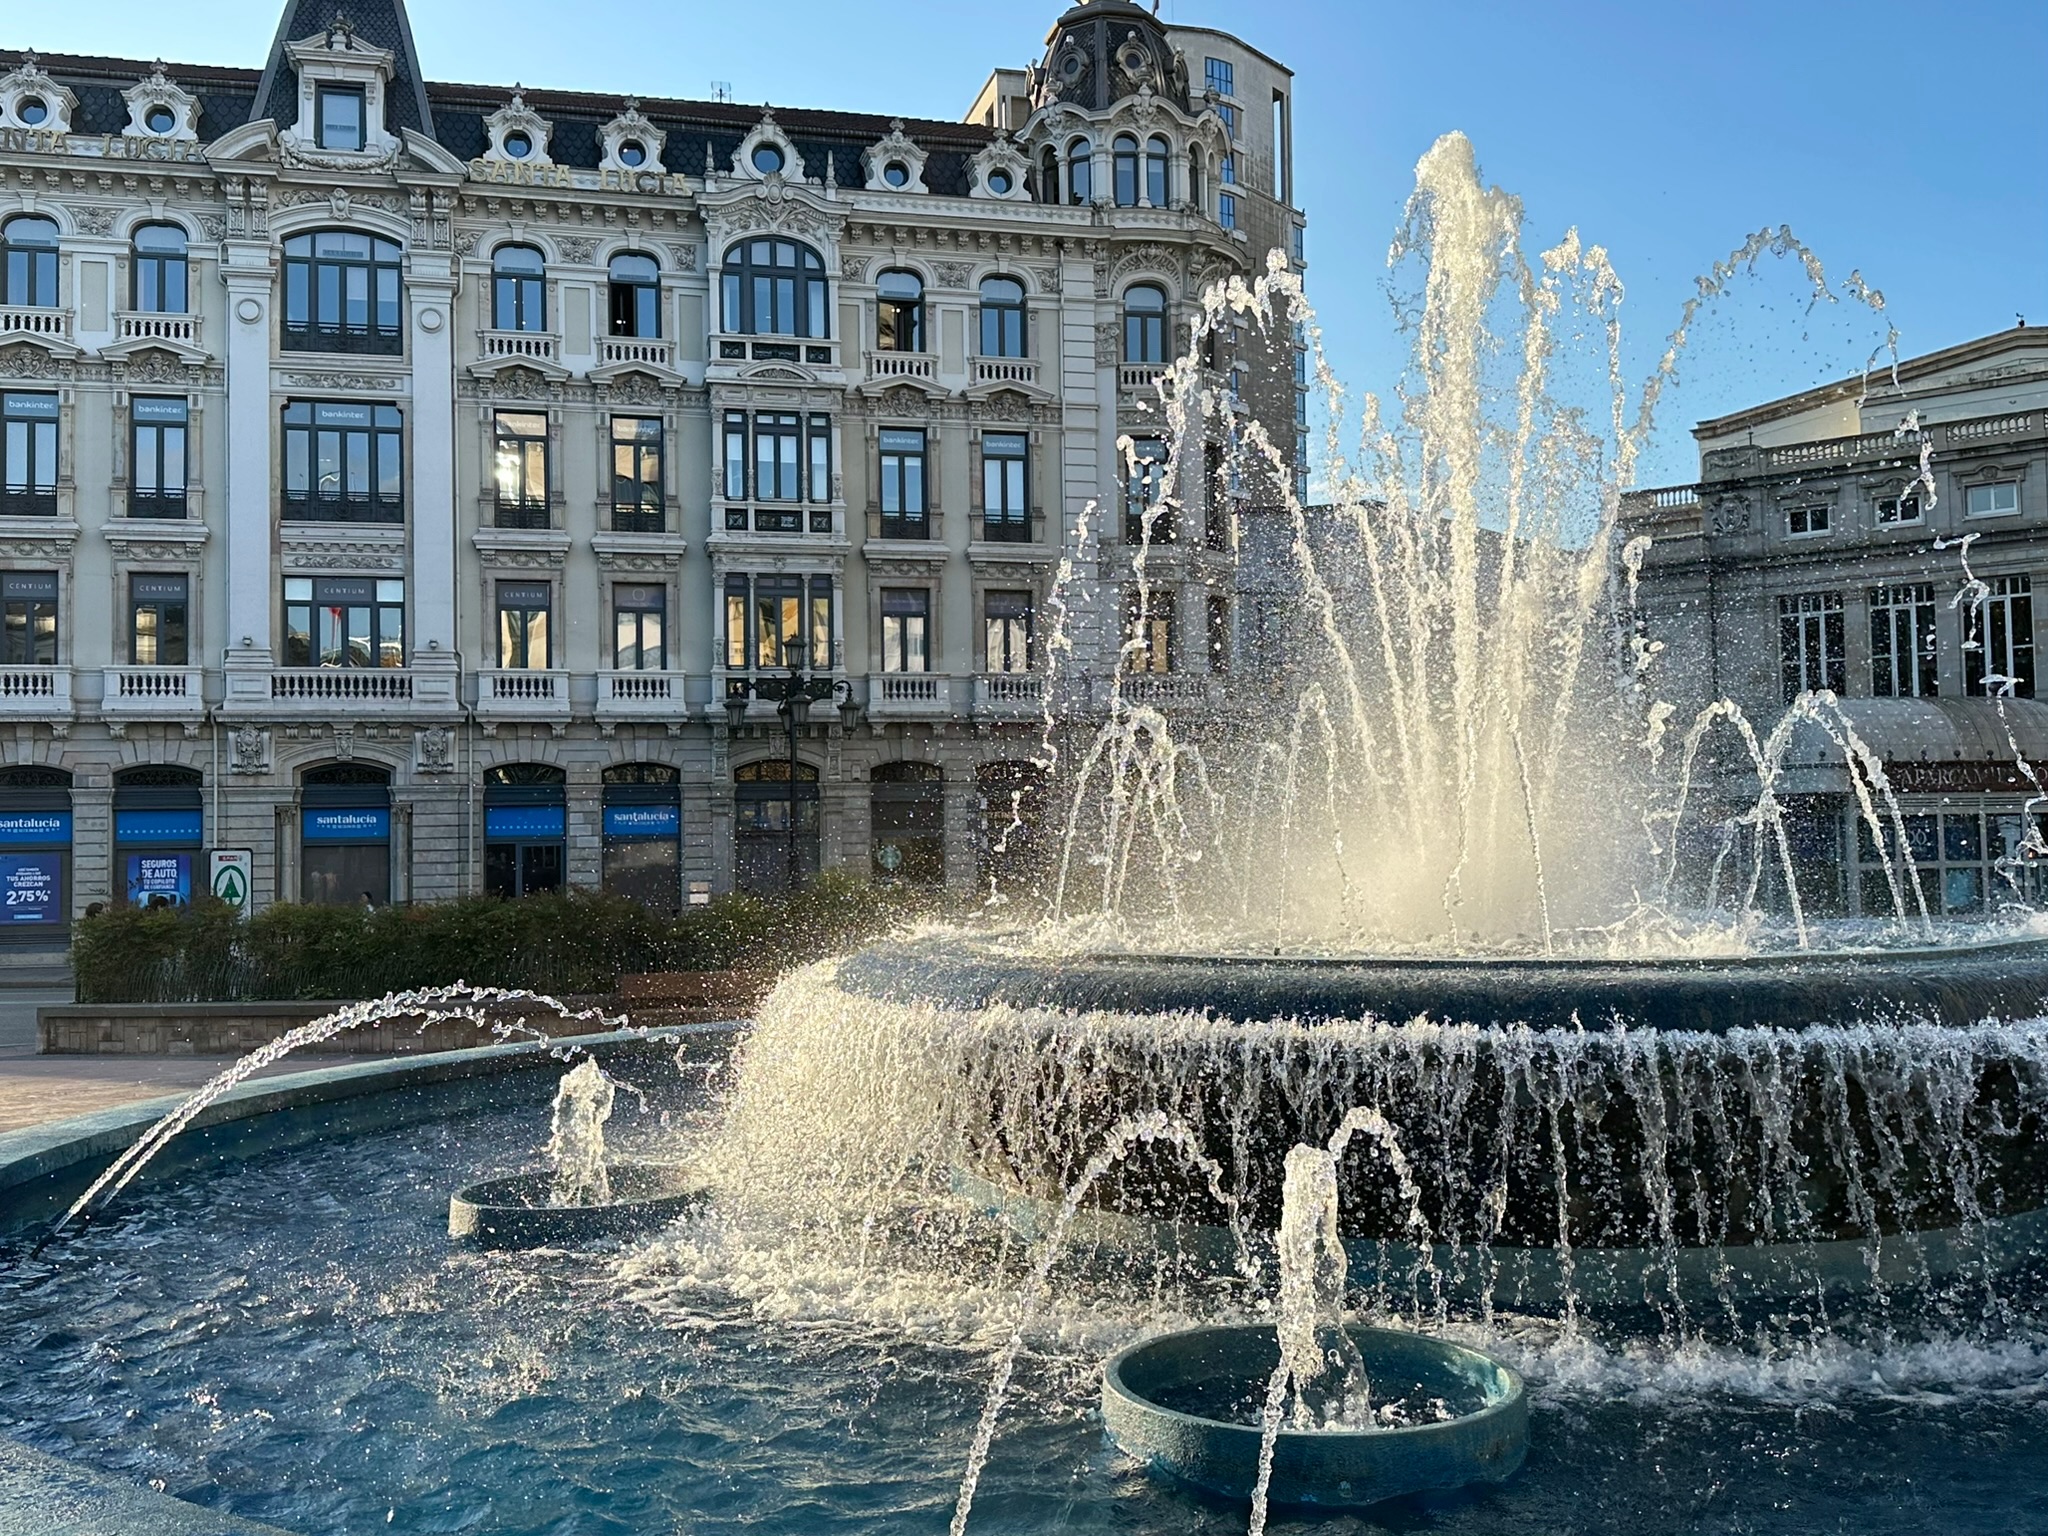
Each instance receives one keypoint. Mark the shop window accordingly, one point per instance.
(35, 855)
(907, 822)
(159, 833)
(776, 821)
(525, 829)
(643, 823)
(345, 836)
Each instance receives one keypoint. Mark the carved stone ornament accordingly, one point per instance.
(249, 750)
(626, 134)
(577, 250)
(853, 268)
(27, 82)
(1004, 159)
(516, 117)
(951, 274)
(343, 555)
(433, 750)
(1109, 340)
(766, 135)
(97, 222)
(521, 384)
(896, 156)
(634, 389)
(905, 401)
(1148, 256)
(26, 360)
(345, 742)
(685, 255)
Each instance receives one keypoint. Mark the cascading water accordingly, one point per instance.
(576, 1148)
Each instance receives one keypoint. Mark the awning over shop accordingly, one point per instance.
(1930, 746)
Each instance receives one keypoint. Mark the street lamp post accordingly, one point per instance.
(795, 708)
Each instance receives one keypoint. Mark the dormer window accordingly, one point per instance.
(159, 119)
(768, 159)
(33, 110)
(633, 153)
(342, 117)
(518, 145)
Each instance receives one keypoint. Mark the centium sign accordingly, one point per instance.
(228, 875)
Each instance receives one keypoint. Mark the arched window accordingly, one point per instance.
(519, 289)
(160, 283)
(1049, 176)
(1145, 324)
(1002, 317)
(899, 312)
(1081, 172)
(1124, 157)
(1197, 193)
(1158, 192)
(775, 288)
(28, 262)
(636, 296)
(341, 293)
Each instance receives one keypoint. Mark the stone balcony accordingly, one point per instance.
(902, 365)
(153, 693)
(41, 322)
(1171, 693)
(1132, 378)
(909, 696)
(648, 351)
(172, 330)
(534, 346)
(1006, 370)
(349, 691)
(654, 696)
(1010, 695)
(35, 693)
(522, 694)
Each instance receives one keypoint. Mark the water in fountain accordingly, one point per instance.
(576, 1149)
(1473, 695)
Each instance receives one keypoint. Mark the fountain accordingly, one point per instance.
(1414, 1057)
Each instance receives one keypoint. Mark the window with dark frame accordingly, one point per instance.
(818, 473)
(906, 629)
(765, 614)
(28, 453)
(1900, 509)
(1123, 160)
(28, 262)
(519, 289)
(639, 627)
(1158, 162)
(519, 468)
(635, 296)
(343, 462)
(159, 431)
(1811, 519)
(344, 621)
(525, 612)
(1008, 619)
(903, 505)
(1147, 516)
(899, 312)
(1903, 652)
(1998, 639)
(1148, 630)
(1006, 486)
(161, 279)
(1810, 644)
(28, 618)
(159, 629)
(1002, 317)
(1219, 635)
(777, 457)
(1145, 324)
(341, 117)
(341, 294)
(637, 475)
(1220, 75)
(1080, 172)
(775, 288)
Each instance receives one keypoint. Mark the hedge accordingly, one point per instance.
(568, 943)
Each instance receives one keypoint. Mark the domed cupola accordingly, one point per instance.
(1101, 51)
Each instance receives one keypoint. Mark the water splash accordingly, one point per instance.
(576, 1148)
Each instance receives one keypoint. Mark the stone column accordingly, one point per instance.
(249, 271)
(430, 293)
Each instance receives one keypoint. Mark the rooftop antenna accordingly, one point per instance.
(721, 90)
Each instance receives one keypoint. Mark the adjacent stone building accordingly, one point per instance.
(1875, 540)
(430, 489)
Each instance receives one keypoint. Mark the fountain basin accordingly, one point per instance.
(514, 1212)
(1330, 1468)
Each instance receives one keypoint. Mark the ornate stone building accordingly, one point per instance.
(430, 489)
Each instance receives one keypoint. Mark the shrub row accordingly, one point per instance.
(575, 942)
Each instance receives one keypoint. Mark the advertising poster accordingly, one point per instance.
(154, 875)
(31, 887)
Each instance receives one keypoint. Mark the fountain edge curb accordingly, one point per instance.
(44, 1495)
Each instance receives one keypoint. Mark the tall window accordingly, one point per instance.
(1810, 644)
(1002, 317)
(1005, 503)
(1998, 640)
(28, 262)
(1145, 324)
(341, 293)
(1148, 626)
(159, 632)
(1123, 156)
(767, 618)
(818, 481)
(1902, 645)
(906, 629)
(1158, 157)
(1219, 635)
(158, 463)
(519, 289)
(1049, 175)
(343, 621)
(636, 474)
(524, 610)
(160, 283)
(1146, 513)
(1080, 172)
(899, 312)
(519, 466)
(1007, 620)
(736, 457)
(1198, 189)
(776, 457)
(775, 288)
(1226, 209)
(341, 117)
(28, 454)
(342, 463)
(28, 618)
(639, 628)
(1220, 75)
(635, 296)
(904, 510)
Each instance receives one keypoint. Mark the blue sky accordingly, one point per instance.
(1906, 141)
